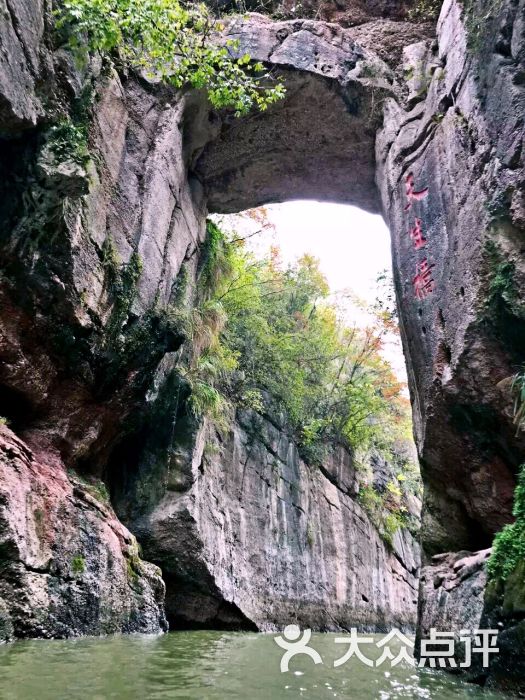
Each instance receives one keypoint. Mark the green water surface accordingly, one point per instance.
(201, 665)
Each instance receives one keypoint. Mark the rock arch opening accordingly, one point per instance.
(319, 142)
(352, 129)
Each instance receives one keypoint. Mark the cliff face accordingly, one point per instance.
(463, 142)
(95, 249)
(94, 252)
(249, 535)
(80, 337)
(460, 135)
(68, 566)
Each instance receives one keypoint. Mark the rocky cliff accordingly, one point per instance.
(248, 534)
(68, 566)
(461, 139)
(385, 113)
(98, 240)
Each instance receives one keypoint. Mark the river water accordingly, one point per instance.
(202, 665)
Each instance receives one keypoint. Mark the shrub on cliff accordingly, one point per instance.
(268, 337)
(509, 544)
(281, 336)
(169, 41)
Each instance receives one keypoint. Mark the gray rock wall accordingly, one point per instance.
(452, 589)
(252, 536)
(460, 139)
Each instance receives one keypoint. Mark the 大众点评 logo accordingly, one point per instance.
(438, 651)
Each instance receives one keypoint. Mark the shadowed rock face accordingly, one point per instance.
(68, 566)
(319, 142)
(463, 142)
(452, 591)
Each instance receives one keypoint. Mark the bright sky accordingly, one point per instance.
(353, 248)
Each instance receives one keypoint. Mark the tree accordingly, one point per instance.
(171, 42)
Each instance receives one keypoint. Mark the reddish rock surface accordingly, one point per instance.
(68, 566)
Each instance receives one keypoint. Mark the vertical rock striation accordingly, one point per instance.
(460, 134)
(461, 139)
(249, 535)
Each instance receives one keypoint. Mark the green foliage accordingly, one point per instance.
(67, 141)
(267, 337)
(329, 380)
(502, 289)
(261, 329)
(386, 520)
(425, 10)
(217, 261)
(78, 565)
(508, 548)
(519, 497)
(95, 487)
(171, 42)
(133, 569)
(3, 421)
(122, 281)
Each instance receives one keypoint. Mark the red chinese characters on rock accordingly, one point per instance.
(423, 282)
(411, 193)
(416, 234)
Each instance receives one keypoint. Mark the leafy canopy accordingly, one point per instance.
(283, 338)
(171, 42)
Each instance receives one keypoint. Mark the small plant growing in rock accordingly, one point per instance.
(78, 565)
(68, 142)
(478, 16)
(425, 10)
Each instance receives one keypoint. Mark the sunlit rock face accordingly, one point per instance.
(23, 63)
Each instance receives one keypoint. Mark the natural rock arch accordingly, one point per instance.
(352, 128)
(319, 142)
